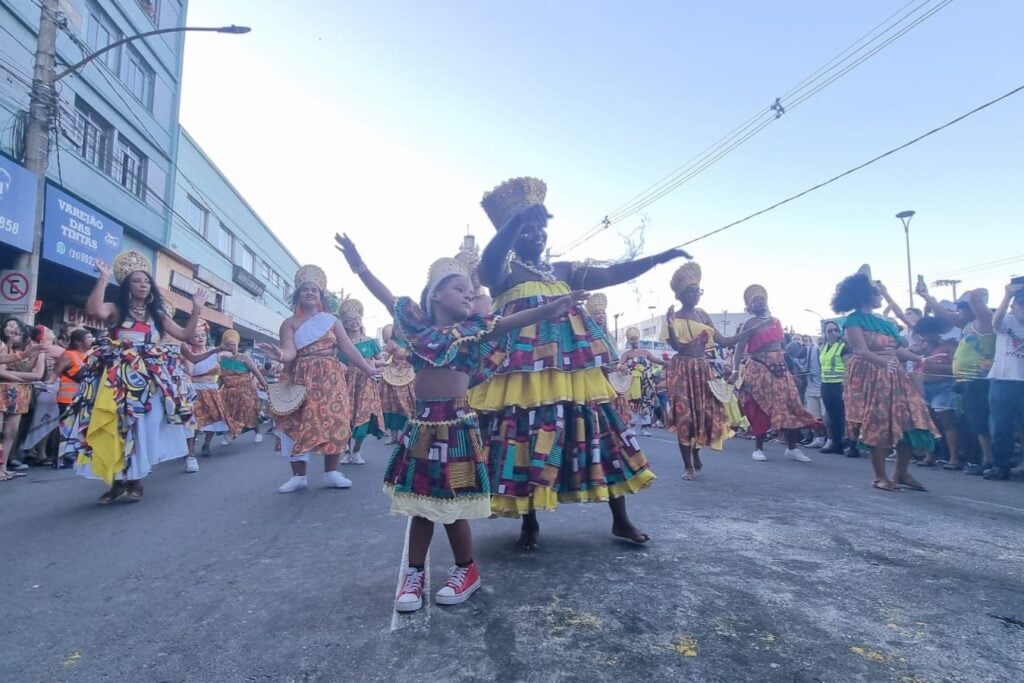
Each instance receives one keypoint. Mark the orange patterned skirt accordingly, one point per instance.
(695, 415)
(364, 401)
(397, 403)
(882, 407)
(769, 396)
(241, 404)
(208, 408)
(322, 425)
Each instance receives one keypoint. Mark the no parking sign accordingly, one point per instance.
(13, 291)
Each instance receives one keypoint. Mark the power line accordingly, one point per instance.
(855, 168)
(716, 151)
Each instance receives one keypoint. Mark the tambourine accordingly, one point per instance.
(620, 381)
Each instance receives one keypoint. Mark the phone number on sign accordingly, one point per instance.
(7, 225)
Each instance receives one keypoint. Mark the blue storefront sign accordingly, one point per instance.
(76, 235)
(18, 188)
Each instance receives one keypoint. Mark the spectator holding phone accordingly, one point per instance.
(1006, 379)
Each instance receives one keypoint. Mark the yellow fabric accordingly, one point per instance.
(104, 437)
(687, 330)
(636, 389)
(544, 387)
(531, 288)
(544, 498)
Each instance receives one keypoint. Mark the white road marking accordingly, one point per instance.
(401, 621)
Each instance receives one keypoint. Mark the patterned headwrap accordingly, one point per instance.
(752, 292)
(687, 274)
(231, 336)
(440, 270)
(128, 262)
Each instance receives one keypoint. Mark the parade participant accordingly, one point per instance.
(597, 307)
(363, 392)
(1006, 392)
(936, 376)
(398, 402)
(438, 471)
(832, 358)
(768, 394)
(239, 377)
(551, 430)
(697, 415)
(130, 412)
(17, 378)
(642, 392)
(45, 412)
(208, 405)
(27, 357)
(883, 408)
(311, 341)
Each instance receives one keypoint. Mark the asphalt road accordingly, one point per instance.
(756, 571)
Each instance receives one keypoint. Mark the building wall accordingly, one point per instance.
(207, 208)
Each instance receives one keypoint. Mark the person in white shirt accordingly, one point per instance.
(1006, 380)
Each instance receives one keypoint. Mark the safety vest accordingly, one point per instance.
(833, 368)
(69, 387)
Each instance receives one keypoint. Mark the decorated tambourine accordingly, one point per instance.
(722, 390)
(398, 375)
(620, 381)
(285, 398)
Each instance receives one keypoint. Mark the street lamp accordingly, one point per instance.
(652, 309)
(820, 316)
(42, 101)
(905, 217)
(616, 316)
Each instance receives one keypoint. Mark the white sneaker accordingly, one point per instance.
(258, 439)
(828, 444)
(293, 484)
(357, 459)
(410, 595)
(191, 464)
(797, 454)
(336, 480)
(759, 455)
(224, 441)
(346, 459)
(817, 443)
(891, 457)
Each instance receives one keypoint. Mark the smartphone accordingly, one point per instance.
(920, 282)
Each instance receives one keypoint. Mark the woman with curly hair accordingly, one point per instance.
(883, 409)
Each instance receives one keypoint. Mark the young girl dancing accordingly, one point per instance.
(438, 470)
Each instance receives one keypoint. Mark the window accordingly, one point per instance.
(101, 32)
(139, 78)
(91, 136)
(130, 168)
(151, 8)
(265, 271)
(223, 239)
(243, 257)
(197, 215)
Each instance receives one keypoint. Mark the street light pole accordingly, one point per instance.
(905, 217)
(617, 331)
(41, 112)
(948, 283)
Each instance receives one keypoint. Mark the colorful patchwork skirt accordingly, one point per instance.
(438, 469)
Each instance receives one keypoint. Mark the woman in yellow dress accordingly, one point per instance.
(643, 394)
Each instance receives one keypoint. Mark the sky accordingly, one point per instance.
(389, 120)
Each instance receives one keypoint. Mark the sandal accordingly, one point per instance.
(886, 485)
(135, 491)
(952, 466)
(925, 463)
(688, 475)
(911, 484)
(116, 491)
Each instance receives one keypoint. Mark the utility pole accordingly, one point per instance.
(725, 323)
(42, 105)
(948, 283)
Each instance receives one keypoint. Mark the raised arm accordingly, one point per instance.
(608, 276)
(494, 257)
(192, 357)
(185, 333)
(938, 310)
(345, 245)
(893, 306)
(94, 305)
(982, 315)
(1004, 306)
(530, 316)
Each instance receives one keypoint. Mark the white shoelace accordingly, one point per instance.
(457, 577)
(413, 583)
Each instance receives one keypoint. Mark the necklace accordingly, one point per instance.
(138, 312)
(545, 271)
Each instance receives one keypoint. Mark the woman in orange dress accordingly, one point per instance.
(364, 394)
(768, 394)
(238, 379)
(311, 341)
(883, 408)
(398, 402)
(696, 415)
(208, 405)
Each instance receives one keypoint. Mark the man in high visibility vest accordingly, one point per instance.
(833, 371)
(70, 364)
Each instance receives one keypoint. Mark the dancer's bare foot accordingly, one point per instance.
(909, 482)
(529, 535)
(697, 464)
(688, 474)
(629, 532)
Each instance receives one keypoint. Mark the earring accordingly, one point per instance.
(149, 299)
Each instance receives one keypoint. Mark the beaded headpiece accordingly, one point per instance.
(385, 332)
(511, 197)
(632, 332)
(687, 274)
(350, 308)
(311, 273)
(128, 262)
(231, 336)
(597, 303)
(752, 292)
(440, 270)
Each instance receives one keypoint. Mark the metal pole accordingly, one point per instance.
(42, 105)
(910, 279)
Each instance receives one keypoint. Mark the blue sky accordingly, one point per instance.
(390, 119)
